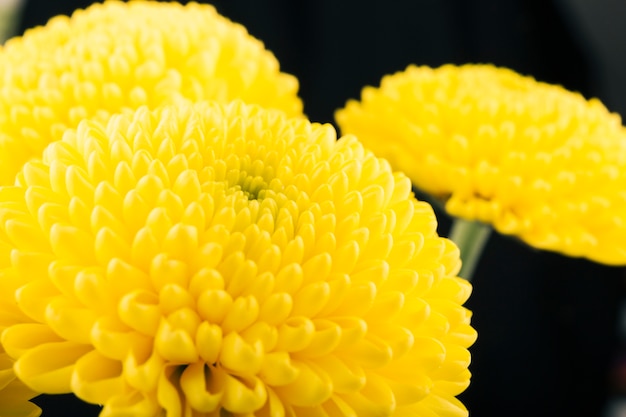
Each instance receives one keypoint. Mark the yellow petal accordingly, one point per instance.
(49, 366)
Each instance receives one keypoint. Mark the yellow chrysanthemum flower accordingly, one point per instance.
(116, 56)
(227, 260)
(532, 159)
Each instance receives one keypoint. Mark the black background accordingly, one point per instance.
(547, 324)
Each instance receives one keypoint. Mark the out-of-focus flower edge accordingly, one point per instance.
(14, 395)
(532, 159)
(211, 257)
(118, 56)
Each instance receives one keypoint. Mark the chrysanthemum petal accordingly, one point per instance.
(14, 397)
(48, 367)
(97, 378)
(193, 384)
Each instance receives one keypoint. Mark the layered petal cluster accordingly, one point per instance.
(210, 260)
(117, 56)
(530, 158)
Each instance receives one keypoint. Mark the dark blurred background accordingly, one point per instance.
(549, 326)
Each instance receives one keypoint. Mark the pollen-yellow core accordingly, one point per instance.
(532, 159)
(205, 259)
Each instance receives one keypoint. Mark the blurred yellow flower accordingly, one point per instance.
(212, 259)
(118, 56)
(532, 159)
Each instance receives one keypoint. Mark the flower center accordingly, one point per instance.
(251, 185)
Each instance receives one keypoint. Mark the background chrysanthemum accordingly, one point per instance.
(225, 257)
(115, 56)
(532, 159)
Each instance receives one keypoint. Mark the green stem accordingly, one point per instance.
(470, 237)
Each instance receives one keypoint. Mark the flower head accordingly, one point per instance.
(118, 56)
(532, 159)
(211, 258)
